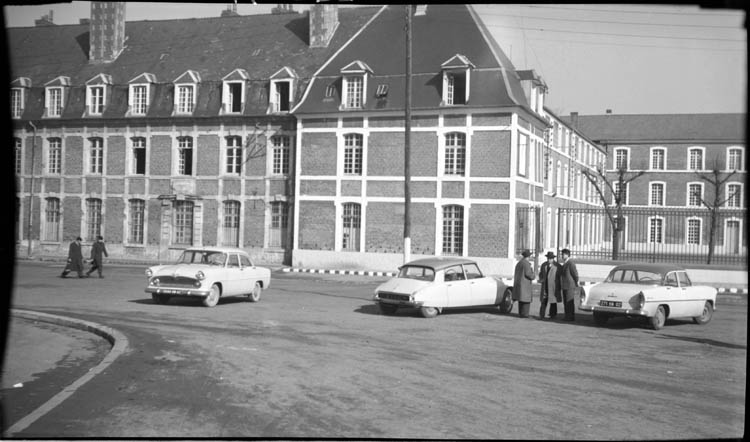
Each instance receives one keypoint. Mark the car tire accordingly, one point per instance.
(387, 309)
(658, 320)
(254, 296)
(506, 303)
(429, 312)
(600, 318)
(708, 313)
(213, 298)
(159, 299)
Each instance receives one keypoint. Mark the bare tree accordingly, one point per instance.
(716, 179)
(614, 214)
(255, 146)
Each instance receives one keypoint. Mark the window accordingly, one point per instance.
(139, 156)
(231, 224)
(93, 218)
(455, 84)
(16, 102)
(139, 99)
(54, 101)
(96, 156)
(185, 156)
(453, 230)
(96, 100)
(523, 146)
(558, 179)
(234, 155)
(622, 192)
(621, 159)
(656, 194)
(353, 86)
(658, 157)
(280, 154)
(183, 223)
(695, 194)
(18, 149)
(655, 231)
(734, 195)
(54, 156)
(185, 98)
(694, 231)
(734, 159)
(455, 153)
(330, 90)
(695, 159)
(353, 154)
(351, 227)
(52, 220)
(279, 224)
(233, 104)
(136, 218)
(281, 96)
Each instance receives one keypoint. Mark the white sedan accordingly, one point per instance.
(653, 292)
(432, 284)
(208, 273)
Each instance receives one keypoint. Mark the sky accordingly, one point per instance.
(630, 59)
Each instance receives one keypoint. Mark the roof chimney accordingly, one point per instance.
(106, 31)
(324, 19)
(45, 20)
(574, 120)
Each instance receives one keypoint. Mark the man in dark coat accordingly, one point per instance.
(75, 259)
(569, 282)
(551, 291)
(522, 277)
(97, 260)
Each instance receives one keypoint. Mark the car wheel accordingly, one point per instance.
(506, 304)
(429, 312)
(657, 322)
(159, 299)
(213, 298)
(708, 313)
(387, 309)
(255, 294)
(600, 318)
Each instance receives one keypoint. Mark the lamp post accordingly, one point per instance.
(407, 141)
(31, 191)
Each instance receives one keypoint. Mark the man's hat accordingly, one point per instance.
(526, 253)
(565, 252)
(550, 254)
(79, 239)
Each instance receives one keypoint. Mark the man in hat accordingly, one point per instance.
(522, 278)
(569, 283)
(75, 259)
(97, 260)
(549, 277)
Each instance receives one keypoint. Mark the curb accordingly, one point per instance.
(119, 346)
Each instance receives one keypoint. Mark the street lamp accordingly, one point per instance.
(31, 191)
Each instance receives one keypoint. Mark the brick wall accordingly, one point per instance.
(137, 186)
(115, 155)
(71, 218)
(208, 155)
(114, 213)
(115, 186)
(154, 222)
(394, 189)
(161, 155)
(51, 185)
(490, 154)
(318, 154)
(351, 188)
(423, 154)
(231, 186)
(489, 190)
(422, 228)
(211, 222)
(453, 189)
(488, 230)
(94, 186)
(316, 219)
(385, 154)
(317, 188)
(254, 223)
(73, 162)
(385, 227)
(490, 120)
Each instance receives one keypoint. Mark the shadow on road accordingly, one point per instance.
(704, 341)
(191, 302)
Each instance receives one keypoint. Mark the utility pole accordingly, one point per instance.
(407, 141)
(31, 191)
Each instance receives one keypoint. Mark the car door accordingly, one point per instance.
(676, 296)
(458, 288)
(232, 275)
(249, 274)
(483, 289)
(694, 299)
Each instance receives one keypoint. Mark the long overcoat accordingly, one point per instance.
(522, 278)
(550, 281)
(75, 257)
(97, 250)
(569, 279)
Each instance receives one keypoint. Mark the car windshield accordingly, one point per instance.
(630, 276)
(202, 257)
(417, 272)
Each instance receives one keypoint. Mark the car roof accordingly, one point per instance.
(439, 262)
(649, 267)
(222, 249)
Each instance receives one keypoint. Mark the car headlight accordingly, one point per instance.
(149, 273)
(155, 281)
(200, 276)
(197, 284)
(641, 300)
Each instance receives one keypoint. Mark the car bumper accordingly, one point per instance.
(178, 291)
(398, 302)
(614, 310)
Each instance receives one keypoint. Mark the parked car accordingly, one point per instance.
(653, 292)
(432, 284)
(209, 273)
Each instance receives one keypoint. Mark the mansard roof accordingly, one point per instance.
(445, 33)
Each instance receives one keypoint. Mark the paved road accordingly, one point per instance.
(315, 359)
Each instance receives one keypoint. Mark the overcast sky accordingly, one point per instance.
(633, 59)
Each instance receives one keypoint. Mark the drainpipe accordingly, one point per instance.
(31, 191)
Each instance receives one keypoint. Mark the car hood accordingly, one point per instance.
(406, 286)
(607, 290)
(188, 270)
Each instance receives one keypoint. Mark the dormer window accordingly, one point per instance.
(186, 91)
(456, 80)
(18, 92)
(282, 90)
(233, 92)
(54, 96)
(354, 85)
(96, 94)
(139, 90)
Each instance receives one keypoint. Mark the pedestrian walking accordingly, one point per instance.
(97, 260)
(551, 290)
(569, 282)
(75, 259)
(522, 278)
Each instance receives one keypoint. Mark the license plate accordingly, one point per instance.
(610, 303)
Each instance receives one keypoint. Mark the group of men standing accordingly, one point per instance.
(75, 258)
(559, 283)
